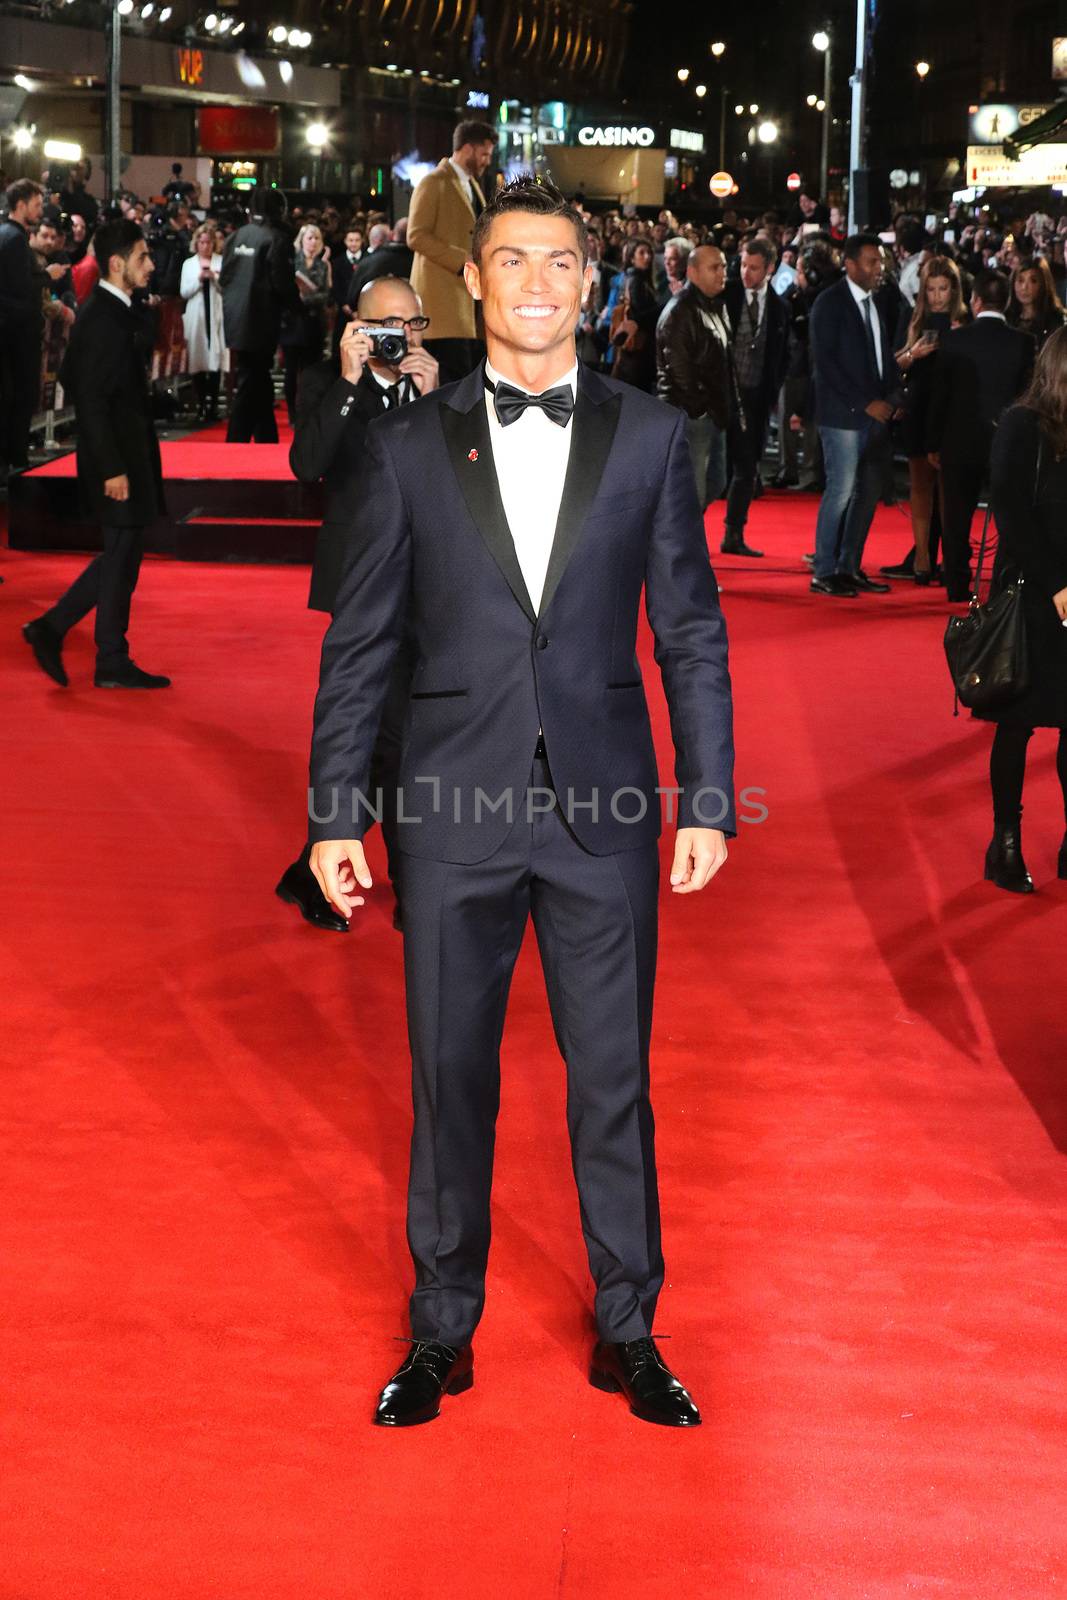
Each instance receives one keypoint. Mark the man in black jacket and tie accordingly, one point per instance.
(336, 401)
(506, 528)
(981, 369)
(21, 325)
(119, 473)
(759, 320)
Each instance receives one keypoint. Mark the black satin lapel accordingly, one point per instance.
(467, 434)
(594, 432)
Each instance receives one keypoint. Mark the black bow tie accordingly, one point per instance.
(557, 404)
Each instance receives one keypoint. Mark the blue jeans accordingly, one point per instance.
(855, 463)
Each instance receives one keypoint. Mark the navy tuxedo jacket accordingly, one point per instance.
(432, 561)
(846, 378)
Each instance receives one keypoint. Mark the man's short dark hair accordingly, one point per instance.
(269, 203)
(473, 133)
(992, 288)
(115, 239)
(20, 191)
(176, 168)
(912, 237)
(539, 198)
(860, 241)
(761, 247)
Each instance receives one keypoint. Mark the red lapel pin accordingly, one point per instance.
(472, 455)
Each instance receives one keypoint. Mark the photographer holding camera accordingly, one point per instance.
(381, 364)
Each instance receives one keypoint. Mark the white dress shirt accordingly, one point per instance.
(118, 293)
(860, 295)
(531, 456)
(465, 180)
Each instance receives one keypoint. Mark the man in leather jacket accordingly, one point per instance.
(693, 370)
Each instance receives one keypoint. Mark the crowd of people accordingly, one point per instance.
(847, 350)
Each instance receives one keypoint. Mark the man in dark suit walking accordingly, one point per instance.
(759, 320)
(856, 394)
(336, 401)
(981, 369)
(119, 473)
(258, 283)
(507, 525)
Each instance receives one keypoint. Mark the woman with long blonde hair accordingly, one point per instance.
(938, 308)
(303, 333)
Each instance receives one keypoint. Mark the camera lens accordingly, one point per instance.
(393, 347)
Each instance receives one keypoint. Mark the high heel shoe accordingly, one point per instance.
(1061, 865)
(1004, 864)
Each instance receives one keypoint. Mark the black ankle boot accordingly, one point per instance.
(1004, 864)
(1061, 865)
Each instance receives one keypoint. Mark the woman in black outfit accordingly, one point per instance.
(1035, 306)
(1029, 498)
(303, 331)
(938, 308)
(637, 364)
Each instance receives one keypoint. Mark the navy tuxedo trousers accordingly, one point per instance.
(595, 919)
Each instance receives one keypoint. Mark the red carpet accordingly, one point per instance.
(859, 1066)
(212, 460)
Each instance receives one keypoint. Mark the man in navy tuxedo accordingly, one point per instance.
(857, 389)
(506, 527)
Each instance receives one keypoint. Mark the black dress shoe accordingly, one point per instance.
(637, 1369)
(958, 597)
(299, 887)
(738, 547)
(413, 1394)
(129, 676)
(860, 580)
(47, 646)
(1004, 864)
(903, 569)
(841, 588)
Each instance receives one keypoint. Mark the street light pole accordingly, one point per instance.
(113, 158)
(824, 156)
(722, 130)
(857, 142)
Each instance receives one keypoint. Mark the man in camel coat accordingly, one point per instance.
(440, 224)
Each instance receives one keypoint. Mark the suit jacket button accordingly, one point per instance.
(542, 642)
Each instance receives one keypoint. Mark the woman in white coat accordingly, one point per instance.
(202, 320)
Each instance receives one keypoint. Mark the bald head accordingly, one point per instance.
(706, 269)
(389, 297)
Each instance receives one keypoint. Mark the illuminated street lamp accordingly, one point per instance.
(701, 90)
(821, 41)
(683, 74)
(767, 132)
(718, 49)
(922, 68)
(812, 98)
(317, 135)
(753, 110)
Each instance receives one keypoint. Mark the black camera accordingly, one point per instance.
(389, 344)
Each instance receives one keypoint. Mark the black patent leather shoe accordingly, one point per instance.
(47, 646)
(738, 547)
(298, 886)
(859, 580)
(637, 1370)
(841, 588)
(413, 1394)
(129, 676)
(1004, 864)
(1061, 864)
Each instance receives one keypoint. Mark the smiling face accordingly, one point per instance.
(531, 281)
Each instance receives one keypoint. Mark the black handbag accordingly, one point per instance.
(987, 650)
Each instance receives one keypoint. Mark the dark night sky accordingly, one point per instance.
(769, 59)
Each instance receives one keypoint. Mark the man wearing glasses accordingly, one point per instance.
(336, 401)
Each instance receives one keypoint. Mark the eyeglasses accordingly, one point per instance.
(416, 324)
